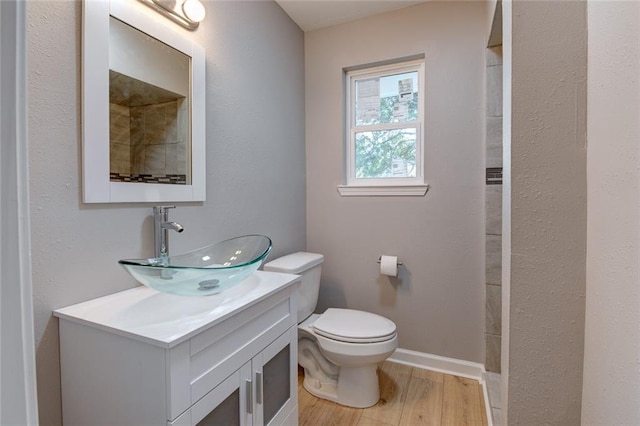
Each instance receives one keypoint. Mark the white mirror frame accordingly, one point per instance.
(97, 188)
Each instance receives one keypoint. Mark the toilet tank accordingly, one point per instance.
(309, 266)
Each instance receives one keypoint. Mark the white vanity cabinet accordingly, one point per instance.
(140, 357)
(257, 393)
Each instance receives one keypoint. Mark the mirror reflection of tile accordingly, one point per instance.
(148, 132)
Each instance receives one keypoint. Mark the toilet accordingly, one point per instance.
(340, 350)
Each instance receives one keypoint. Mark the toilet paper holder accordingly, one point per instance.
(380, 259)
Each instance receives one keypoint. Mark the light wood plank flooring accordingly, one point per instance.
(409, 397)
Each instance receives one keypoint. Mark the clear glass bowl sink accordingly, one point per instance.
(207, 270)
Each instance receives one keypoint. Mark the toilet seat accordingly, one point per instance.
(352, 326)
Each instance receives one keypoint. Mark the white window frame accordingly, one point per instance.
(383, 186)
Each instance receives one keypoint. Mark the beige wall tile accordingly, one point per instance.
(137, 159)
(493, 317)
(137, 125)
(493, 209)
(492, 361)
(154, 125)
(494, 55)
(171, 121)
(494, 91)
(119, 155)
(182, 164)
(496, 413)
(155, 159)
(183, 120)
(119, 127)
(172, 159)
(494, 259)
(176, 158)
(494, 141)
(494, 389)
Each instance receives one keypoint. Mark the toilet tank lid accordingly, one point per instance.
(294, 263)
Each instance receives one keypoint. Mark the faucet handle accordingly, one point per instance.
(162, 209)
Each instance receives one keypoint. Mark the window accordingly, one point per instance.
(384, 130)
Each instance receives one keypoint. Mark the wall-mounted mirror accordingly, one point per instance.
(143, 107)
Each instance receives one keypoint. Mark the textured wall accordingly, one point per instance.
(548, 198)
(438, 302)
(611, 388)
(255, 161)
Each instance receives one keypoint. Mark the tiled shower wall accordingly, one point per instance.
(119, 139)
(149, 139)
(493, 207)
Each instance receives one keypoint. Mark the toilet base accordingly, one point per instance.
(357, 387)
(322, 390)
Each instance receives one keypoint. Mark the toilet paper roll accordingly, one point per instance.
(389, 265)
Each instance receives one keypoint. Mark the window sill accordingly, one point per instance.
(383, 191)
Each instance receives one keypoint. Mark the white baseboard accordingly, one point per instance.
(441, 364)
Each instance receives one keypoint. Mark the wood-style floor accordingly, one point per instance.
(408, 397)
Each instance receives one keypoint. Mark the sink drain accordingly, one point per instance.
(208, 284)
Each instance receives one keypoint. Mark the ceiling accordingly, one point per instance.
(313, 14)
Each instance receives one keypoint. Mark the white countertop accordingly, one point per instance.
(166, 320)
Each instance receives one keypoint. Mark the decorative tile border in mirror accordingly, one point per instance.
(167, 179)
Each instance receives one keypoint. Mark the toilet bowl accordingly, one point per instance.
(351, 376)
(340, 350)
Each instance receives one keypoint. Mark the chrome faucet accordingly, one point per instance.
(162, 225)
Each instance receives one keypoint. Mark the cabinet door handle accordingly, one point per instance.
(249, 396)
(259, 387)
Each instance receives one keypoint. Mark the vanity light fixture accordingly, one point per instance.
(188, 13)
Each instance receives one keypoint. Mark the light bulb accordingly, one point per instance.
(194, 10)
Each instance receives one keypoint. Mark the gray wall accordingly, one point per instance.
(611, 385)
(255, 161)
(547, 198)
(438, 304)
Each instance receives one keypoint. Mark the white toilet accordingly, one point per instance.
(340, 349)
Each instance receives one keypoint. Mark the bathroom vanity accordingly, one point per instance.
(140, 357)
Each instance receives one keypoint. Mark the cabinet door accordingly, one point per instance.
(275, 373)
(230, 403)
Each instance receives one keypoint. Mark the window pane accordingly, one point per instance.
(386, 154)
(388, 99)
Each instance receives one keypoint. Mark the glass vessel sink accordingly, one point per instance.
(205, 271)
